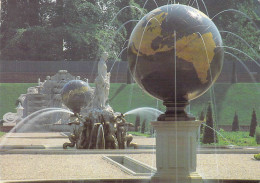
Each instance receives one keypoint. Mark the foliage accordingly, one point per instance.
(82, 30)
(26, 44)
(257, 135)
(235, 124)
(66, 30)
(209, 135)
(257, 156)
(242, 23)
(253, 124)
(143, 127)
(137, 122)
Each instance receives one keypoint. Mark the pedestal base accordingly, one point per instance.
(169, 178)
(176, 143)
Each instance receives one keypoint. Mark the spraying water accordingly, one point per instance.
(32, 119)
(149, 110)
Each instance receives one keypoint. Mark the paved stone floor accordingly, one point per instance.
(52, 162)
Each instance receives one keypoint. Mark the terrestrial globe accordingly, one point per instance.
(76, 94)
(175, 54)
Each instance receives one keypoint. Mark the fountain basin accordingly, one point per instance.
(130, 166)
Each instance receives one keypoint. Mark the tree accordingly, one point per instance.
(130, 11)
(137, 123)
(143, 126)
(56, 30)
(202, 118)
(209, 135)
(236, 22)
(82, 30)
(235, 124)
(253, 124)
(25, 34)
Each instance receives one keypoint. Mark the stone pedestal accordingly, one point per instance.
(176, 143)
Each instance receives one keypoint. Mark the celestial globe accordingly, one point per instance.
(76, 94)
(175, 54)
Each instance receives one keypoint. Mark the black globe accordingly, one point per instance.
(76, 94)
(175, 53)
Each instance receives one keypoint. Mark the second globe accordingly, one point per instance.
(175, 54)
(76, 94)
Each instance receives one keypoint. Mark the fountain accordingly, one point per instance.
(97, 126)
(182, 61)
(175, 54)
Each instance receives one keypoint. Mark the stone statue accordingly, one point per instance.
(102, 82)
(101, 127)
(86, 133)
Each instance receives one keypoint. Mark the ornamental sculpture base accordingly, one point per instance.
(176, 143)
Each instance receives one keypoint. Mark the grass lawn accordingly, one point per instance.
(240, 97)
(2, 133)
(235, 138)
(224, 138)
(139, 134)
(228, 98)
(9, 93)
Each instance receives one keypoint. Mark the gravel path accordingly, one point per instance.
(22, 167)
(209, 166)
(90, 166)
(218, 166)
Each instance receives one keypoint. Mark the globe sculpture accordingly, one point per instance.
(175, 55)
(76, 94)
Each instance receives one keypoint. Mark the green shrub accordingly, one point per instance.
(235, 124)
(257, 156)
(253, 124)
(209, 136)
(257, 135)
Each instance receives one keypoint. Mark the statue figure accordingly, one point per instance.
(124, 139)
(102, 82)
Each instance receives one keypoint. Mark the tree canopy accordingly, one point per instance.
(45, 30)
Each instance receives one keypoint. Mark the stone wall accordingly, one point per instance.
(30, 71)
